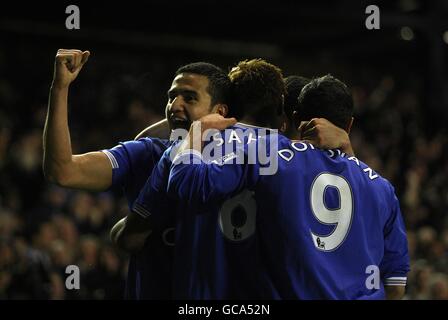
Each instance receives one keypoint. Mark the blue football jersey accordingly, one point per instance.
(211, 261)
(322, 225)
(149, 272)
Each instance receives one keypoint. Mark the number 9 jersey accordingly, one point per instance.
(324, 221)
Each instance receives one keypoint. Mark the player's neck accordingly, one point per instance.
(249, 121)
(292, 134)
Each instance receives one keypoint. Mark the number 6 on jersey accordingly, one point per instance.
(341, 217)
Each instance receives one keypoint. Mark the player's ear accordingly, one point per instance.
(221, 109)
(349, 125)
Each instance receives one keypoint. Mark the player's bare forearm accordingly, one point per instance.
(56, 138)
(130, 233)
(159, 130)
(394, 292)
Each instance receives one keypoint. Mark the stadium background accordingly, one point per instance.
(398, 75)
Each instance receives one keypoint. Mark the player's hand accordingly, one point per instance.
(67, 64)
(194, 139)
(215, 121)
(324, 134)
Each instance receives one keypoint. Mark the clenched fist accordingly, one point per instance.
(67, 64)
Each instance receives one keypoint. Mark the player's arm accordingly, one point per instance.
(159, 130)
(395, 264)
(193, 180)
(324, 134)
(90, 171)
(130, 233)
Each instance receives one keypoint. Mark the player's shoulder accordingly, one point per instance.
(145, 145)
(154, 141)
(338, 158)
(387, 186)
(380, 183)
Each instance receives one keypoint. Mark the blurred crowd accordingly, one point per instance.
(44, 228)
(396, 136)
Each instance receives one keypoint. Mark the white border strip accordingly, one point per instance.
(112, 159)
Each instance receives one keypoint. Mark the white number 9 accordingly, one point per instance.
(341, 217)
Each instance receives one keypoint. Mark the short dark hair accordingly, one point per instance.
(219, 87)
(326, 97)
(258, 90)
(294, 85)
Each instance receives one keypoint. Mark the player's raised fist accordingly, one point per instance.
(67, 64)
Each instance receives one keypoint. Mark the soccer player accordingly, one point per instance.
(197, 90)
(207, 265)
(327, 225)
(213, 261)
